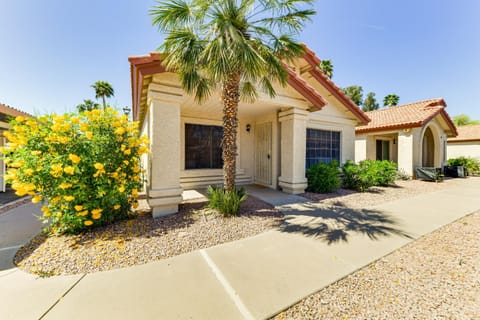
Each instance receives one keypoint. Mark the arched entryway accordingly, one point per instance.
(428, 149)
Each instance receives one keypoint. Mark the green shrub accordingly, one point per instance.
(368, 173)
(84, 168)
(228, 203)
(323, 178)
(471, 165)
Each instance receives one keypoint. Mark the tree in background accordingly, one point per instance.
(327, 67)
(87, 105)
(391, 100)
(238, 46)
(355, 93)
(463, 120)
(104, 90)
(370, 103)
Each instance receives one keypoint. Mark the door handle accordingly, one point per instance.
(268, 156)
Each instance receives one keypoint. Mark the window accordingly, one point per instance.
(203, 147)
(322, 146)
(383, 150)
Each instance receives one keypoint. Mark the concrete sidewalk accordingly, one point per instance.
(252, 278)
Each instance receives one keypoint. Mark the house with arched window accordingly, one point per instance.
(412, 135)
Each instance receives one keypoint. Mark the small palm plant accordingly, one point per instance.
(237, 45)
(391, 100)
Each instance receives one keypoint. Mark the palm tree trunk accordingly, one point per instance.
(104, 105)
(230, 98)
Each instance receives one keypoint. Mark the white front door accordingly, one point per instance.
(263, 153)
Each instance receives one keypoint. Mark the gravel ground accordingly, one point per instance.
(377, 195)
(144, 239)
(430, 278)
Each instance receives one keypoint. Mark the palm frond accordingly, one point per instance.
(248, 92)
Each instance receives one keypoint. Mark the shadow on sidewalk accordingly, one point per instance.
(335, 224)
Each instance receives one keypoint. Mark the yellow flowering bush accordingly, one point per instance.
(84, 168)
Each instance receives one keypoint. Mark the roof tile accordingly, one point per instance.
(467, 133)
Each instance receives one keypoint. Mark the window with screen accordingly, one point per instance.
(322, 146)
(203, 146)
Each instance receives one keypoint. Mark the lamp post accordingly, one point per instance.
(126, 111)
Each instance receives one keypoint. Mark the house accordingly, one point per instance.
(6, 113)
(310, 120)
(412, 135)
(466, 144)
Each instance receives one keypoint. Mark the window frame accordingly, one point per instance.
(308, 158)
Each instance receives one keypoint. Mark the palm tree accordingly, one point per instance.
(103, 89)
(355, 93)
(239, 45)
(87, 105)
(391, 100)
(327, 67)
(370, 103)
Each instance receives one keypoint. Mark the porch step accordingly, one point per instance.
(205, 181)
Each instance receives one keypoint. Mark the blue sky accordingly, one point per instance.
(53, 50)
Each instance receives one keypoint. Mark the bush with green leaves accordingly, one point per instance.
(226, 202)
(471, 165)
(84, 168)
(323, 177)
(368, 173)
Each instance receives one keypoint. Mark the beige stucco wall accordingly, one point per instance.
(463, 149)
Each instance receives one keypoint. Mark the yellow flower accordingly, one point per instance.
(69, 170)
(68, 198)
(55, 199)
(135, 192)
(98, 166)
(96, 211)
(28, 171)
(63, 139)
(121, 189)
(84, 127)
(56, 170)
(119, 131)
(65, 185)
(78, 208)
(17, 164)
(59, 215)
(135, 205)
(96, 216)
(75, 120)
(125, 162)
(20, 119)
(117, 124)
(46, 211)
(83, 213)
(136, 169)
(37, 198)
(127, 152)
(36, 153)
(88, 223)
(89, 134)
(142, 150)
(74, 158)
(116, 207)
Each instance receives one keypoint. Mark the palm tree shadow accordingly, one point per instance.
(334, 224)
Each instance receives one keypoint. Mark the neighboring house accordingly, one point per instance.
(412, 135)
(309, 121)
(466, 144)
(6, 113)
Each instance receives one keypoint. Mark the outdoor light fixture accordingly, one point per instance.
(393, 140)
(248, 127)
(126, 110)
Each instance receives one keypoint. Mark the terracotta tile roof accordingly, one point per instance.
(141, 66)
(410, 115)
(314, 61)
(467, 133)
(9, 111)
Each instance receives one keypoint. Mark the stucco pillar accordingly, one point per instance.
(405, 151)
(360, 148)
(293, 149)
(163, 190)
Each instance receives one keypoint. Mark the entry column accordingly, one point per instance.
(293, 150)
(164, 191)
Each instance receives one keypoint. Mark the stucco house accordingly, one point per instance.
(6, 113)
(310, 120)
(466, 144)
(412, 135)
